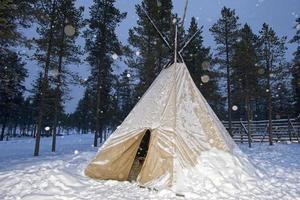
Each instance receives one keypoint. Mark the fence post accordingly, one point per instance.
(247, 132)
(289, 129)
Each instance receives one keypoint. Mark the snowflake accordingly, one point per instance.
(137, 53)
(298, 27)
(174, 20)
(76, 152)
(128, 75)
(115, 56)
(205, 78)
(158, 3)
(205, 65)
(234, 108)
(261, 71)
(47, 128)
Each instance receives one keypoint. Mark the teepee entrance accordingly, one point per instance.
(140, 157)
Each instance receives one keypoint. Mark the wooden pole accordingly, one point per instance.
(175, 44)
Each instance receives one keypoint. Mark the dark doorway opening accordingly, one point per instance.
(140, 157)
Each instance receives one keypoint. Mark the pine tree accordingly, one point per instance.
(68, 25)
(148, 52)
(296, 68)
(15, 14)
(225, 32)
(282, 100)
(103, 47)
(272, 58)
(124, 95)
(48, 14)
(245, 74)
(49, 101)
(12, 76)
(83, 117)
(198, 59)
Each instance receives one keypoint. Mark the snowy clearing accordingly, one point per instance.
(59, 176)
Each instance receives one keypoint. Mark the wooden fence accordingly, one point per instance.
(282, 129)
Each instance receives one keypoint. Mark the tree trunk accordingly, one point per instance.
(15, 129)
(97, 131)
(44, 84)
(3, 127)
(58, 89)
(228, 87)
(269, 102)
(248, 118)
(270, 118)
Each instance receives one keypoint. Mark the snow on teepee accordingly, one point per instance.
(188, 143)
(182, 127)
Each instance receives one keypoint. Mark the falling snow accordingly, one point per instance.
(205, 78)
(69, 30)
(234, 108)
(115, 56)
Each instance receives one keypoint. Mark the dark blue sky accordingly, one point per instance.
(280, 14)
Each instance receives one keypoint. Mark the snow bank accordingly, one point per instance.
(218, 171)
(218, 176)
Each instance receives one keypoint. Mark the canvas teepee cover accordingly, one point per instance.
(182, 125)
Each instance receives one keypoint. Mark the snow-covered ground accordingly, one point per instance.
(59, 176)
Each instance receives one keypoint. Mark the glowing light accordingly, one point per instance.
(47, 128)
(76, 152)
(137, 53)
(128, 75)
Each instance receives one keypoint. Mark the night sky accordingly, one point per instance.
(279, 14)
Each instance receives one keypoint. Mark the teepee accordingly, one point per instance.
(181, 124)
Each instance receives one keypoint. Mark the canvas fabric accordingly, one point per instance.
(182, 125)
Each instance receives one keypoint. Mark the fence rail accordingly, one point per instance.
(257, 131)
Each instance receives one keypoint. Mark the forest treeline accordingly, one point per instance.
(245, 76)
